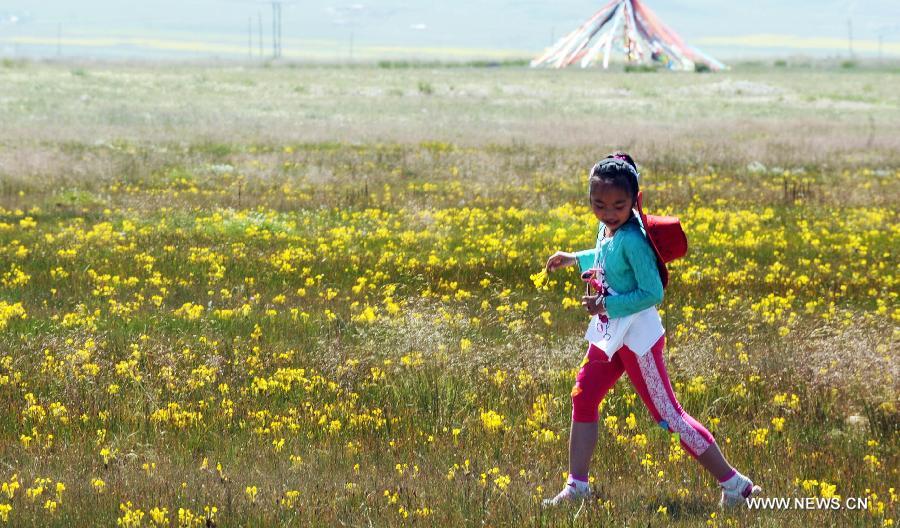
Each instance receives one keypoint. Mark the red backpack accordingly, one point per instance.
(666, 237)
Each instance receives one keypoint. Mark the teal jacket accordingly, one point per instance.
(630, 266)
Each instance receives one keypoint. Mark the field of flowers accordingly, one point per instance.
(347, 334)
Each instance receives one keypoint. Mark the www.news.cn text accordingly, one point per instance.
(807, 503)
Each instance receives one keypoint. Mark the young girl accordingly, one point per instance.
(626, 335)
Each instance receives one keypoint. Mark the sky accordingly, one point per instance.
(390, 28)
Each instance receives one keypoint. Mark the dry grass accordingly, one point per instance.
(781, 117)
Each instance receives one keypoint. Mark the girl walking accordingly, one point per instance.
(626, 335)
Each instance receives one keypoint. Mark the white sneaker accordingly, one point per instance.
(573, 491)
(736, 491)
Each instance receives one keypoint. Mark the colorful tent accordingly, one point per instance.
(631, 27)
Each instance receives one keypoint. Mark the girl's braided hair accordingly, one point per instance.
(617, 169)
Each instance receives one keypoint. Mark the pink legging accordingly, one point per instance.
(651, 381)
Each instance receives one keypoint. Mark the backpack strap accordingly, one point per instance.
(640, 210)
(660, 264)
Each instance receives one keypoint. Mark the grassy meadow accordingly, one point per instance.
(262, 296)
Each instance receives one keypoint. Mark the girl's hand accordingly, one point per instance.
(593, 304)
(560, 259)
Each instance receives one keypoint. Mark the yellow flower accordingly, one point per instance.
(631, 421)
(697, 385)
(760, 436)
(612, 423)
(872, 461)
(106, 455)
(160, 517)
(540, 279)
(9, 311)
(131, 518)
(98, 485)
(9, 489)
(492, 421)
(545, 436)
(189, 311)
(827, 490)
(290, 498)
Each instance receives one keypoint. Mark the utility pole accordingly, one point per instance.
(259, 19)
(276, 29)
(850, 35)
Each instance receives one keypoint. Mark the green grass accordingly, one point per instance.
(245, 206)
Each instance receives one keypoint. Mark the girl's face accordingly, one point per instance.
(611, 205)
